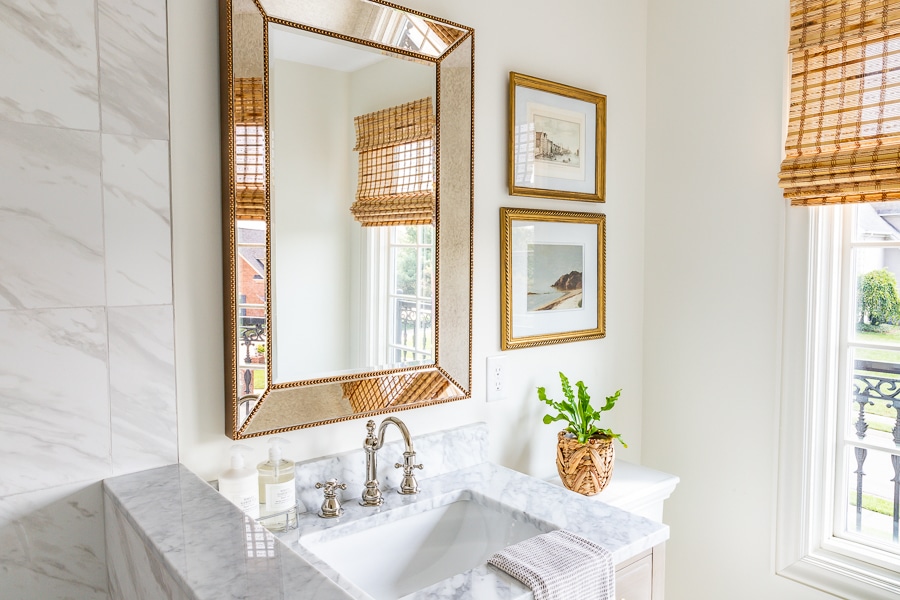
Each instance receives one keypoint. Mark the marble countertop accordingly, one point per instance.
(213, 551)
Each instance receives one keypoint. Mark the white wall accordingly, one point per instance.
(312, 228)
(603, 50)
(313, 185)
(714, 233)
(87, 382)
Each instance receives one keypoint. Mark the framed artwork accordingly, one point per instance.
(557, 140)
(552, 267)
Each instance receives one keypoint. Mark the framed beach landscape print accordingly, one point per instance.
(553, 277)
(557, 140)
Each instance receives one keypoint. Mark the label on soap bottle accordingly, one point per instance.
(249, 504)
(280, 496)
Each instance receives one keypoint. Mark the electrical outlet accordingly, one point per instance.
(496, 378)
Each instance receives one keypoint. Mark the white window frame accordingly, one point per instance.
(811, 364)
(378, 343)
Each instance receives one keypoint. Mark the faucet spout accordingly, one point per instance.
(403, 431)
(371, 495)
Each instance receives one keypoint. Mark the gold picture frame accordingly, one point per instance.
(553, 277)
(557, 140)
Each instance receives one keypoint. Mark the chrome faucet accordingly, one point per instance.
(371, 495)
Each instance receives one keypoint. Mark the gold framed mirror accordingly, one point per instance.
(347, 164)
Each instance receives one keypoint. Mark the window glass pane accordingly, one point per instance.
(871, 510)
(427, 234)
(875, 295)
(877, 221)
(426, 330)
(426, 268)
(875, 391)
(405, 271)
(406, 234)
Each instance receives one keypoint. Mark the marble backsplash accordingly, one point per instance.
(438, 453)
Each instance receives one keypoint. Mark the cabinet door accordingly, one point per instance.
(634, 581)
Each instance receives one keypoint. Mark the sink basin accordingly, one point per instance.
(408, 549)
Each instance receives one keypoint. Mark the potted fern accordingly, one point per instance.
(585, 453)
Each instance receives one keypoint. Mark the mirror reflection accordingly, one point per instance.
(348, 176)
(364, 302)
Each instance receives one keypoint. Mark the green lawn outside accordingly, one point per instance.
(874, 503)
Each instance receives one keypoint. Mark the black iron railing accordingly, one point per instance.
(413, 326)
(876, 382)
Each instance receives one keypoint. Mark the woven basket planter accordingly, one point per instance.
(584, 468)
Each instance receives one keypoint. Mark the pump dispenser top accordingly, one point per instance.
(275, 452)
(237, 456)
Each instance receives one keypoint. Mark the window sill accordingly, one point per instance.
(843, 577)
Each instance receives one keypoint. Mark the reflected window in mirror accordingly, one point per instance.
(400, 331)
(413, 33)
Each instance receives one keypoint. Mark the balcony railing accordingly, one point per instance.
(874, 383)
(413, 331)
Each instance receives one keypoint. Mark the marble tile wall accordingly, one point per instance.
(87, 382)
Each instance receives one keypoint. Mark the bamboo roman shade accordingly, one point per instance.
(249, 149)
(843, 138)
(396, 165)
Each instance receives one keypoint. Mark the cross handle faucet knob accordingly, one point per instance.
(331, 506)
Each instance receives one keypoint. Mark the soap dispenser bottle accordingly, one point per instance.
(277, 489)
(238, 483)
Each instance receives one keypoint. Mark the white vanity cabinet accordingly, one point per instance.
(641, 491)
(642, 577)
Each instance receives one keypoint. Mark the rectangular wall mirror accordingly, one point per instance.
(347, 147)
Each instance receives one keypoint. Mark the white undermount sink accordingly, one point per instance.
(410, 548)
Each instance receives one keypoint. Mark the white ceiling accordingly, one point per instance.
(295, 45)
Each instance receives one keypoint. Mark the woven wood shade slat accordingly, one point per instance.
(249, 149)
(394, 390)
(445, 33)
(843, 138)
(396, 165)
(821, 22)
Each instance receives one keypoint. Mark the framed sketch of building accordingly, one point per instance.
(557, 140)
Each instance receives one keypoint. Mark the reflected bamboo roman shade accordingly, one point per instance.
(249, 149)
(396, 165)
(395, 390)
(843, 137)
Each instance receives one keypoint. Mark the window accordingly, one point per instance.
(400, 280)
(411, 322)
(839, 459)
(869, 430)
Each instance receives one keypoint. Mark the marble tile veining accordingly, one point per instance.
(51, 544)
(51, 232)
(438, 453)
(209, 546)
(214, 550)
(142, 387)
(134, 87)
(137, 222)
(48, 75)
(55, 398)
(548, 506)
(134, 571)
